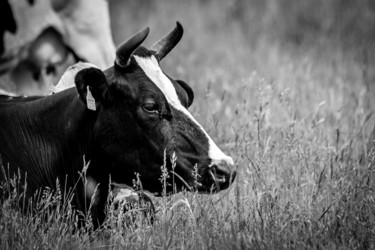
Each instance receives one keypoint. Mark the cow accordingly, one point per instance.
(40, 39)
(126, 121)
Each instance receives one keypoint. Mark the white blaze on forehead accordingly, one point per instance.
(67, 79)
(151, 68)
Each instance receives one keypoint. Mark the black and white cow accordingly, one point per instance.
(40, 39)
(123, 120)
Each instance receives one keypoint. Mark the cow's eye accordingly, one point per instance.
(151, 107)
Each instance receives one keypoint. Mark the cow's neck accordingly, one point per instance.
(56, 135)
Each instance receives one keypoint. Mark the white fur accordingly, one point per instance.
(67, 79)
(122, 194)
(151, 68)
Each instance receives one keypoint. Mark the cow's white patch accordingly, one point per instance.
(151, 68)
(67, 79)
(122, 195)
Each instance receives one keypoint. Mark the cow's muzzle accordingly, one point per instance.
(221, 175)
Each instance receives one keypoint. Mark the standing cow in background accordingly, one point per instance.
(40, 39)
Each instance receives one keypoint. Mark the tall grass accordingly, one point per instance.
(295, 116)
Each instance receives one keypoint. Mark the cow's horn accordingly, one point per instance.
(167, 43)
(125, 50)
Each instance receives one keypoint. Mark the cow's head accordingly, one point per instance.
(142, 115)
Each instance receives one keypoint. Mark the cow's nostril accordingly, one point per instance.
(223, 172)
(221, 169)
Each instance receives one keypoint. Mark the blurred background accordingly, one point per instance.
(245, 31)
(232, 31)
(225, 42)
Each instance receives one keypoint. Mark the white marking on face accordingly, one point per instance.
(151, 68)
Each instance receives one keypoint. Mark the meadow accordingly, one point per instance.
(286, 89)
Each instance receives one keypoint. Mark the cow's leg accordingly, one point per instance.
(96, 194)
(97, 209)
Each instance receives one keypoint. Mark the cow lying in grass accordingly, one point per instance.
(125, 120)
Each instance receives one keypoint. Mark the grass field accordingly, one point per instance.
(288, 93)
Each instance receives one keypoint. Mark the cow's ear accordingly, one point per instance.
(92, 87)
(188, 90)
